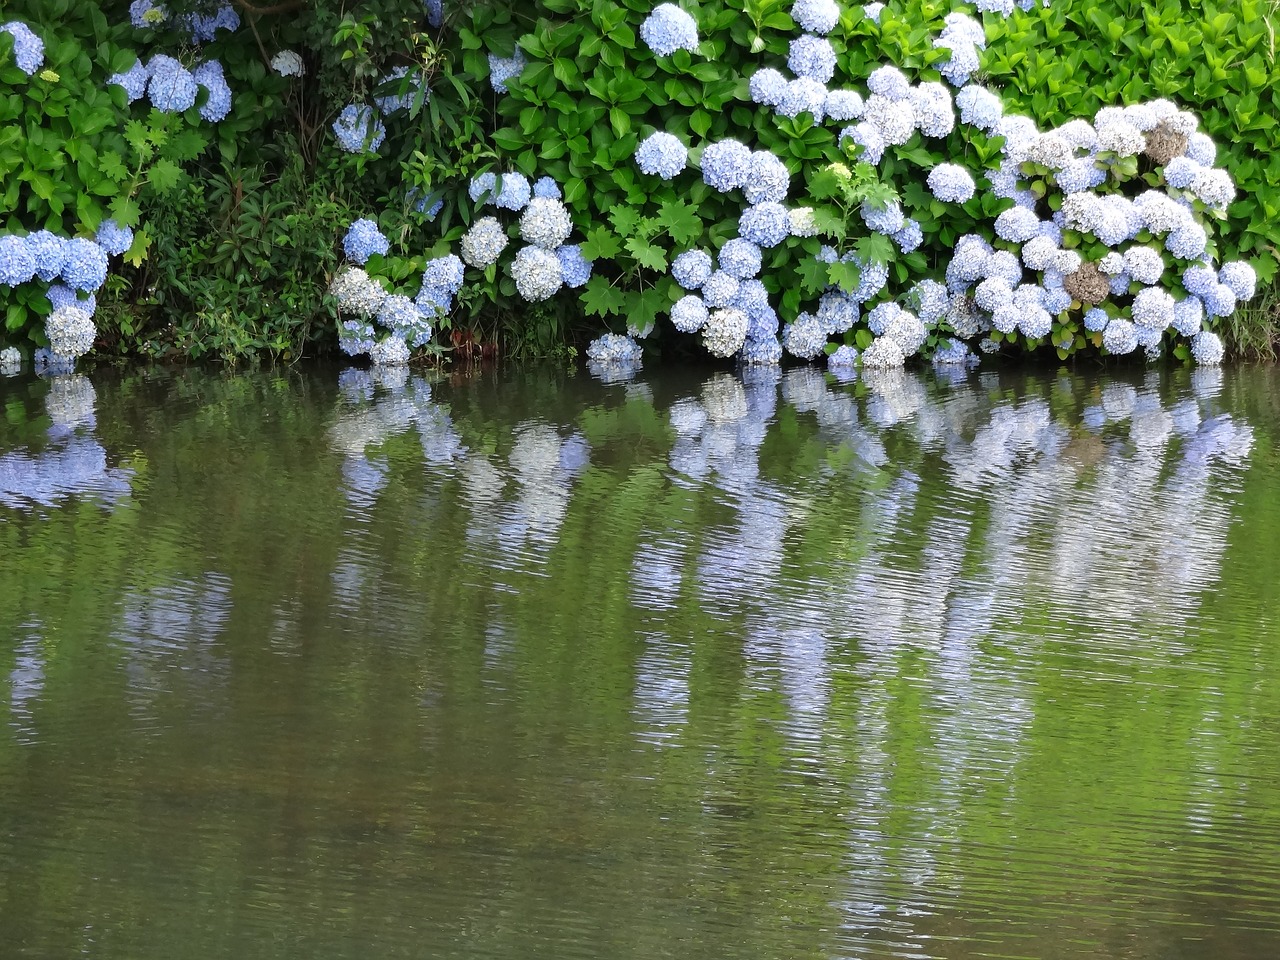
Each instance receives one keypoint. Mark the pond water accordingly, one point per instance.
(527, 665)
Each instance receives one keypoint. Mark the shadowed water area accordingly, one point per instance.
(695, 665)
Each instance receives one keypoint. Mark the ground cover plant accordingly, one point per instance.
(752, 178)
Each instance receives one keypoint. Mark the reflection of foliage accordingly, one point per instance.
(846, 640)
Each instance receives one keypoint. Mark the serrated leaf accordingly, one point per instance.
(624, 220)
(875, 248)
(813, 275)
(648, 227)
(681, 220)
(112, 165)
(135, 132)
(601, 244)
(601, 298)
(164, 175)
(844, 274)
(647, 254)
(186, 145)
(137, 252)
(829, 222)
(825, 184)
(643, 310)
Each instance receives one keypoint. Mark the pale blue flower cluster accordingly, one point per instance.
(172, 88)
(147, 14)
(668, 29)
(537, 273)
(575, 268)
(725, 165)
(951, 183)
(740, 258)
(218, 102)
(133, 81)
(203, 27)
(28, 49)
(358, 129)
(614, 348)
(70, 331)
(812, 57)
(483, 243)
(363, 240)
(661, 155)
(765, 224)
(112, 237)
(502, 69)
(545, 223)
(692, 269)
(401, 88)
(85, 265)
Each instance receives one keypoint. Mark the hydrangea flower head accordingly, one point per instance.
(172, 88)
(979, 107)
(133, 81)
(114, 238)
(358, 129)
(668, 29)
(17, 265)
(48, 252)
(951, 183)
(444, 273)
(767, 178)
(725, 332)
(287, 63)
(812, 57)
(1240, 278)
(363, 240)
(740, 258)
(843, 105)
(725, 165)
(218, 103)
(765, 224)
(688, 314)
(390, 351)
(1206, 348)
(887, 218)
(662, 155)
(147, 14)
(203, 27)
(483, 243)
(70, 331)
(890, 82)
(515, 193)
(85, 266)
(575, 268)
(816, 16)
(547, 187)
(28, 49)
(545, 223)
(692, 268)
(614, 348)
(402, 88)
(537, 274)
(502, 69)
(804, 95)
(767, 87)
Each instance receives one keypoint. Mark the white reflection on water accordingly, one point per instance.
(72, 464)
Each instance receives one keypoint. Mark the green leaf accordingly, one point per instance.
(624, 220)
(813, 275)
(647, 254)
(164, 175)
(601, 244)
(681, 220)
(845, 275)
(601, 298)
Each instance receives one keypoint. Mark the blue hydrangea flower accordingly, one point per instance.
(363, 240)
(358, 129)
(435, 12)
(887, 219)
(765, 224)
(614, 348)
(725, 165)
(979, 107)
(537, 273)
(1120, 337)
(662, 155)
(483, 185)
(1199, 280)
(172, 88)
(1153, 307)
(48, 253)
(844, 358)
(545, 223)
(203, 27)
(28, 49)
(813, 57)
(951, 183)
(1017, 225)
(218, 102)
(719, 289)
(804, 337)
(402, 88)
(767, 178)
(872, 277)
(837, 312)
(546, 187)
(502, 69)
(762, 352)
(816, 16)
(1096, 319)
(1202, 149)
(85, 267)
(60, 295)
(740, 258)
(930, 300)
(147, 14)
(515, 193)
(1219, 301)
(872, 11)
(1240, 278)
(445, 273)
(909, 237)
(963, 63)
(575, 268)
(355, 337)
(133, 81)
(390, 351)
(767, 87)
(114, 238)
(668, 29)
(867, 136)
(1206, 348)
(17, 265)
(1188, 316)
(688, 314)
(934, 113)
(1181, 171)
(691, 269)
(888, 81)
(804, 95)
(843, 105)
(70, 331)
(398, 312)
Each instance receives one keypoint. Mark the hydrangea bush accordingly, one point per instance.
(814, 178)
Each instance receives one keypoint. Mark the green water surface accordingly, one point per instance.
(524, 665)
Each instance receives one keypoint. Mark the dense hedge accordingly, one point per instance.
(223, 195)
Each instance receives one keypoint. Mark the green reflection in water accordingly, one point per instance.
(530, 665)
